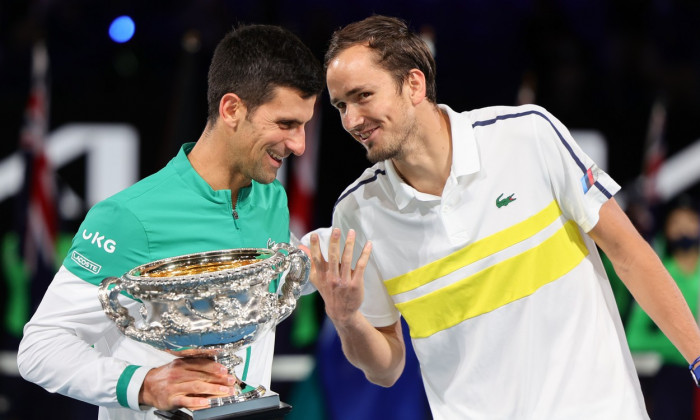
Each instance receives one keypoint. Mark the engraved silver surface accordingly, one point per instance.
(197, 306)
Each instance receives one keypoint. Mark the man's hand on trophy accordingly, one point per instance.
(341, 287)
(186, 382)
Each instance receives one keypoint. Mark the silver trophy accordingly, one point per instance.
(210, 304)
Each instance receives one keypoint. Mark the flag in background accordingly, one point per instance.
(301, 189)
(654, 151)
(38, 218)
(302, 182)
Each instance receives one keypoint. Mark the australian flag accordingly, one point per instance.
(37, 218)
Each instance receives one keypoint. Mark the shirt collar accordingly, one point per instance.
(465, 159)
(465, 155)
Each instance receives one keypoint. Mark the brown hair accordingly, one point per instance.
(397, 49)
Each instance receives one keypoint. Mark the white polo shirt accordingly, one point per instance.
(510, 311)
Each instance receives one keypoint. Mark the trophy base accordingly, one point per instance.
(267, 407)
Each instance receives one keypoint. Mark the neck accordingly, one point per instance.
(209, 158)
(426, 166)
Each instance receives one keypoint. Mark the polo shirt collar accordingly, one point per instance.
(465, 155)
(465, 159)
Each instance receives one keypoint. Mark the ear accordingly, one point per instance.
(231, 109)
(415, 83)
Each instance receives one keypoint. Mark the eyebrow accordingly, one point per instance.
(351, 92)
(289, 121)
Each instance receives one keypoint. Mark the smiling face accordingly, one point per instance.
(271, 133)
(371, 107)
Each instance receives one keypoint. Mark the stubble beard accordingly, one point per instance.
(395, 147)
(263, 175)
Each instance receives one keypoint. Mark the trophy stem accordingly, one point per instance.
(230, 360)
(244, 393)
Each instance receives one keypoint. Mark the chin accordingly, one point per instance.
(266, 179)
(381, 155)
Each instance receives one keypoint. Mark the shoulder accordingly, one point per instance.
(110, 240)
(119, 213)
(372, 177)
(108, 212)
(146, 188)
(493, 115)
(524, 124)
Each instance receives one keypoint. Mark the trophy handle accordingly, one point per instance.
(110, 303)
(297, 276)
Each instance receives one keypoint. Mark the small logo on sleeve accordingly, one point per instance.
(587, 180)
(108, 245)
(85, 263)
(500, 202)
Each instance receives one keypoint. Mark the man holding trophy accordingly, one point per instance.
(219, 193)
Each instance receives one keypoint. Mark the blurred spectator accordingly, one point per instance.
(669, 394)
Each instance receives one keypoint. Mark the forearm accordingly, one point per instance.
(72, 368)
(56, 351)
(658, 295)
(642, 272)
(378, 352)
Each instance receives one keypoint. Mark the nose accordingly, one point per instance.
(296, 141)
(352, 118)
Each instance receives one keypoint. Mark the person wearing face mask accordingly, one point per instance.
(668, 396)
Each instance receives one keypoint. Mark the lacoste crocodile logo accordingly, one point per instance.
(505, 201)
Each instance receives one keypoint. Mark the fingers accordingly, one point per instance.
(186, 382)
(203, 354)
(346, 261)
(337, 271)
(193, 403)
(200, 362)
(315, 246)
(196, 395)
(317, 262)
(305, 248)
(334, 254)
(362, 261)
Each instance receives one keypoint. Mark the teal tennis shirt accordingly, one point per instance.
(174, 212)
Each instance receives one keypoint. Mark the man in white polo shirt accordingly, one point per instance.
(482, 228)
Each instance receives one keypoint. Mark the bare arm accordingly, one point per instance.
(378, 352)
(646, 278)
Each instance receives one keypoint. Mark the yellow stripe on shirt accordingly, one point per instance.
(496, 286)
(474, 252)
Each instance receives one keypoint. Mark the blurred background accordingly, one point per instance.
(92, 103)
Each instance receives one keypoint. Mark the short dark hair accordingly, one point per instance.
(252, 60)
(398, 50)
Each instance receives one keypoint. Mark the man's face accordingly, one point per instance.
(371, 109)
(273, 132)
(682, 223)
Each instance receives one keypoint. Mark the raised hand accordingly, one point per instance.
(186, 382)
(341, 287)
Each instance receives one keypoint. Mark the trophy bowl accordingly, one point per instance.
(209, 304)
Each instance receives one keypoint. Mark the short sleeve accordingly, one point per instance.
(109, 242)
(579, 185)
